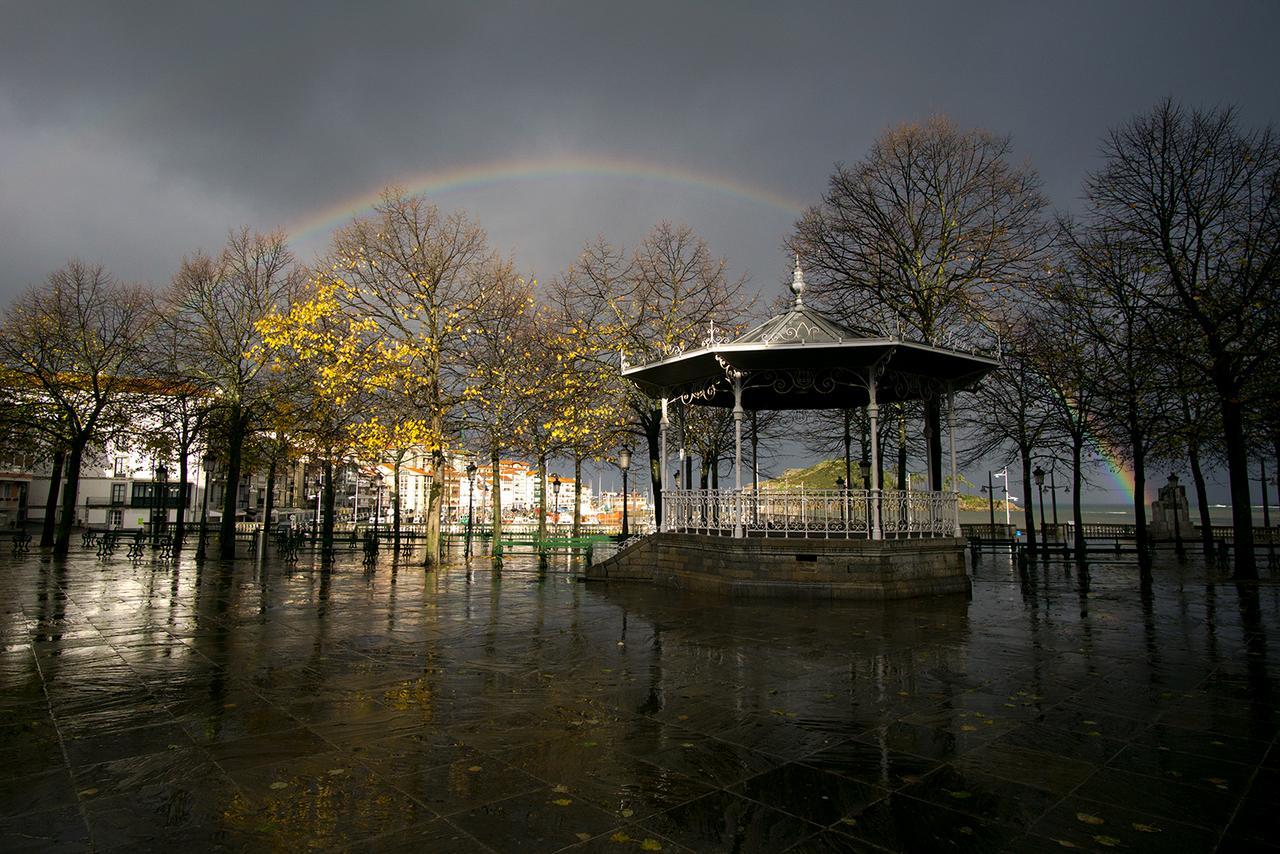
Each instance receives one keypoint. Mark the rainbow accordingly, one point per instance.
(1120, 473)
(1113, 460)
(491, 173)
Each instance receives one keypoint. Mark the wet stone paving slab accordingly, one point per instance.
(156, 706)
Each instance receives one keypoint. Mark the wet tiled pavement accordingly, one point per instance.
(153, 707)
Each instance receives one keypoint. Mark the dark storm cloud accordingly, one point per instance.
(135, 132)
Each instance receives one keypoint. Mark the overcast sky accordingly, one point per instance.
(134, 133)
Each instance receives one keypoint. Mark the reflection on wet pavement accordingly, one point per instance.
(231, 707)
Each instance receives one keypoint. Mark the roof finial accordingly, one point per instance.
(797, 282)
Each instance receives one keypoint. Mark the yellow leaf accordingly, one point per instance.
(1089, 819)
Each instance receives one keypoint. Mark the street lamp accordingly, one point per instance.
(158, 501)
(555, 492)
(1004, 475)
(624, 463)
(1038, 474)
(471, 492)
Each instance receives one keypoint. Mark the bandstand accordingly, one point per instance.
(856, 543)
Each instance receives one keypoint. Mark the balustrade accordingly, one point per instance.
(821, 513)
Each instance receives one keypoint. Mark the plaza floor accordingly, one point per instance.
(153, 706)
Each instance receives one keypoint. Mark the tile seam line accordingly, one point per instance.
(1248, 787)
(62, 746)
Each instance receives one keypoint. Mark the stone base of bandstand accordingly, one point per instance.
(790, 567)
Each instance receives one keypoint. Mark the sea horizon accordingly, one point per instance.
(1115, 512)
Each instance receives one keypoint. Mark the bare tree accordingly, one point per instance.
(215, 305)
(1198, 199)
(664, 297)
(1013, 407)
(923, 238)
(76, 342)
(1071, 353)
(180, 403)
(420, 276)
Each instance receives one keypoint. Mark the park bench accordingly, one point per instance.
(21, 541)
(107, 542)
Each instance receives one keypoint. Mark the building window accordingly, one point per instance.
(117, 518)
(120, 467)
(117, 493)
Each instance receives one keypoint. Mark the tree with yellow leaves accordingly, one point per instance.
(418, 277)
(338, 365)
(587, 417)
(391, 434)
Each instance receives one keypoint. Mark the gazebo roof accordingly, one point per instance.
(801, 359)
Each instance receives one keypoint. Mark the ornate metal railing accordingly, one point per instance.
(823, 513)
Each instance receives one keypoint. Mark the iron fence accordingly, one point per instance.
(820, 513)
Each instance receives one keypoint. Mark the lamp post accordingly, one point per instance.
(555, 493)
(1004, 475)
(471, 491)
(157, 501)
(624, 463)
(319, 493)
(1038, 474)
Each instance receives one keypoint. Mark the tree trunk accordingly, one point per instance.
(577, 495)
(326, 527)
(271, 501)
(902, 451)
(651, 429)
(1202, 499)
(704, 473)
(1028, 508)
(179, 525)
(395, 501)
(848, 453)
(1077, 480)
(864, 440)
(435, 506)
(755, 453)
(933, 433)
(542, 499)
(51, 503)
(495, 548)
(1238, 474)
(1141, 535)
(62, 540)
(235, 449)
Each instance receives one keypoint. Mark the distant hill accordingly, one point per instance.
(822, 475)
